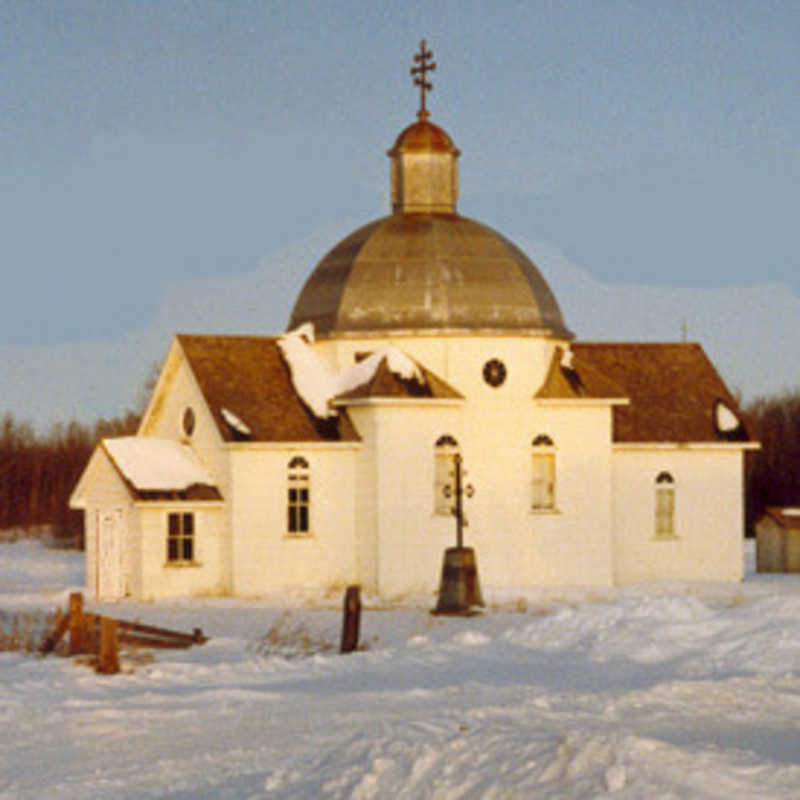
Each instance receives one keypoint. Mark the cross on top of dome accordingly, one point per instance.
(418, 72)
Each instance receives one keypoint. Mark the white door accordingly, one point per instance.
(110, 554)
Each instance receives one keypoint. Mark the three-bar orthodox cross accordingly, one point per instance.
(421, 59)
(460, 491)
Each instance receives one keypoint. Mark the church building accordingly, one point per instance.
(326, 456)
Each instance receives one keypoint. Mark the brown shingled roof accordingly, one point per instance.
(248, 376)
(581, 381)
(672, 389)
(385, 383)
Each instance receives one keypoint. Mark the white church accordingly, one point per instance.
(325, 456)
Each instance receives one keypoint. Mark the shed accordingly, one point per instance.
(778, 540)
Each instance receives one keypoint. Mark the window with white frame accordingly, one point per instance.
(444, 483)
(298, 496)
(180, 536)
(665, 505)
(543, 462)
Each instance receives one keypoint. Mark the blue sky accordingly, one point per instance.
(145, 144)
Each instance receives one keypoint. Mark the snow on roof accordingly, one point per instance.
(157, 465)
(724, 418)
(317, 384)
(234, 422)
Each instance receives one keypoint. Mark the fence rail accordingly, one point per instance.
(99, 635)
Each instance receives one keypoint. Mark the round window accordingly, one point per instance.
(188, 421)
(494, 372)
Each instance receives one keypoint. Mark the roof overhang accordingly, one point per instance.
(581, 401)
(404, 402)
(719, 446)
(292, 446)
(183, 504)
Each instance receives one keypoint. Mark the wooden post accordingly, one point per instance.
(352, 619)
(62, 623)
(459, 509)
(78, 629)
(108, 658)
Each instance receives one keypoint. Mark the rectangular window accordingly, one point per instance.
(544, 482)
(665, 511)
(299, 502)
(180, 536)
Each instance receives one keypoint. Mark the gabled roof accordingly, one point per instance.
(673, 390)
(154, 468)
(386, 383)
(247, 376)
(788, 518)
(579, 381)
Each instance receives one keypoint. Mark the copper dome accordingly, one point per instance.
(423, 137)
(427, 273)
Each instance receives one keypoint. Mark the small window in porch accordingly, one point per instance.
(180, 536)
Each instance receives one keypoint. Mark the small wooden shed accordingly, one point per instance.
(778, 540)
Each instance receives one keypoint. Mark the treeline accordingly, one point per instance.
(773, 473)
(39, 472)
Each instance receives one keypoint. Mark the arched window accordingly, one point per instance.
(665, 505)
(543, 461)
(299, 496)
(444, 483)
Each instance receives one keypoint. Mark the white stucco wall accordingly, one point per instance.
(709, 515)
(459, 359)
(365, 500)
(572, 546)
(206, 575)
(265, 556)
(406, 539)
(495, 427)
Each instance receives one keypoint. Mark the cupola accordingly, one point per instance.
(424, 168)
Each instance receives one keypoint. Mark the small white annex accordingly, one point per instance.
(325, 456)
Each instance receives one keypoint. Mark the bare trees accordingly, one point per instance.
(773, 474)
(38, 473)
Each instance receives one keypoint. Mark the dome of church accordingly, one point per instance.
(427, 272)
(425, 268)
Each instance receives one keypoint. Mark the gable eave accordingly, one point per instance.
(619, 446)
(79, 499)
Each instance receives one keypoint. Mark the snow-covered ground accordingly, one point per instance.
(670, 691)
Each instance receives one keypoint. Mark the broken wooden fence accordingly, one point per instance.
(99, 635)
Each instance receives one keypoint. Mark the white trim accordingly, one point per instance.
(439, 333)
(400, 401)
(695, 446)
(293, 447)
(183, 505)
(582, 401)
